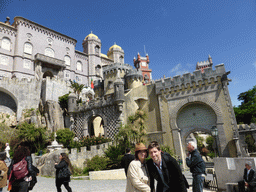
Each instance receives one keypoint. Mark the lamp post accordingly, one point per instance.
(214, 132)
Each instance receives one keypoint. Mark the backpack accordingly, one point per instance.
(20, 169)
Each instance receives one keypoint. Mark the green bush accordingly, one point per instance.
(35, 138)
(97, 163)
(77, 171)
(114, 154)
(65, 137)
(249, 140)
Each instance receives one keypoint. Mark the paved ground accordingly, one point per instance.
(48, 185)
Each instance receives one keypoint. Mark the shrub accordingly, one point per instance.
(249, 140)
(35, 138)
(65, 137)
(114, 154)
(167, 149)
(77, 171)
(97, 163)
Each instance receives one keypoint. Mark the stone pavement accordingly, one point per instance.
(48, 185)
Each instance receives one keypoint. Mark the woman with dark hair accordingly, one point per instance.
(137, 176)
(21, 183)
(3, 171)
(63, 172)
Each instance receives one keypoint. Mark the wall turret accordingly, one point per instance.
(72, 102)
(119, 92)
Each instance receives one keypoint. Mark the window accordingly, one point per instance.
(4, 60)
(26, 64)
(67, 60)
(121, 59)
(28, 48)
(79, 66)
(6, 44)
(49, 52)
(97, 49)
(144, 64)
(97, 70)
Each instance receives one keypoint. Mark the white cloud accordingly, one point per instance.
(176, 68)
(179, 70)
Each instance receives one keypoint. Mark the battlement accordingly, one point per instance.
(17, 80)
(134, 74)
(246, 127)
(95, 103)
(116, 66)
(188, 79)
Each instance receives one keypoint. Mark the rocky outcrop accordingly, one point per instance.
(53, 115)
(46, 163)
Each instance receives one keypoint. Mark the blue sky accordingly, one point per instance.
(175, 34)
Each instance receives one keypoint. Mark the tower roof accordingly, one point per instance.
(91, 35)
(115, 46)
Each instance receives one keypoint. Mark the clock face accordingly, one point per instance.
(144, 64)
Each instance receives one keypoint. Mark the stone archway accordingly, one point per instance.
(179, 134)
(8, 102)
(95, 126)
(48, 74)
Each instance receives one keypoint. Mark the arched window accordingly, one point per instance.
(67, 60)
(28, 48)
(49, 52)
(121, 59)
(97, 49)
(97, 70)
(27, 64)
(79, 66)
(6, 44)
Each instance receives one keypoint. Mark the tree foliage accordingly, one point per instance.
(7, 134)
(65, 137)
(77, 88)
(246, 112)
(35, 138)
(134, 131)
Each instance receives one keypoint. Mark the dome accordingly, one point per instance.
(115, 46)
(91, 35)
(103, 55)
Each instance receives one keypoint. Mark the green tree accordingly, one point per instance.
(65, 137)
(246, 112)
(134, 131)
(7, 134)
(77, 88)
(35, 138)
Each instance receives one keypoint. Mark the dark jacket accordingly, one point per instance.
(172, 174)
(126, 160)
(196, 163)
(251, 179)
(29, 167)
(34, 179)
(62, 164)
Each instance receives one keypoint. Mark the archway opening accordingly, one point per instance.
(48, 74)
(195, 121)
(7, 103)
(95, 127)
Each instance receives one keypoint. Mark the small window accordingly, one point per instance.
(121, 59)
(6, 44)
(28, 48)
(79, 66)
(97, 49)
(4, 60)
(97, 70)
(26, 64)
(49, 52)
(67, 60)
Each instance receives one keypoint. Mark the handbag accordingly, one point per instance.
(64, 173)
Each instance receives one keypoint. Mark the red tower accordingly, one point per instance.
(142, 64)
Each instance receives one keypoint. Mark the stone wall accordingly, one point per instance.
(78, 158)
(230, 170)
(243, 130)
(46, 162)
